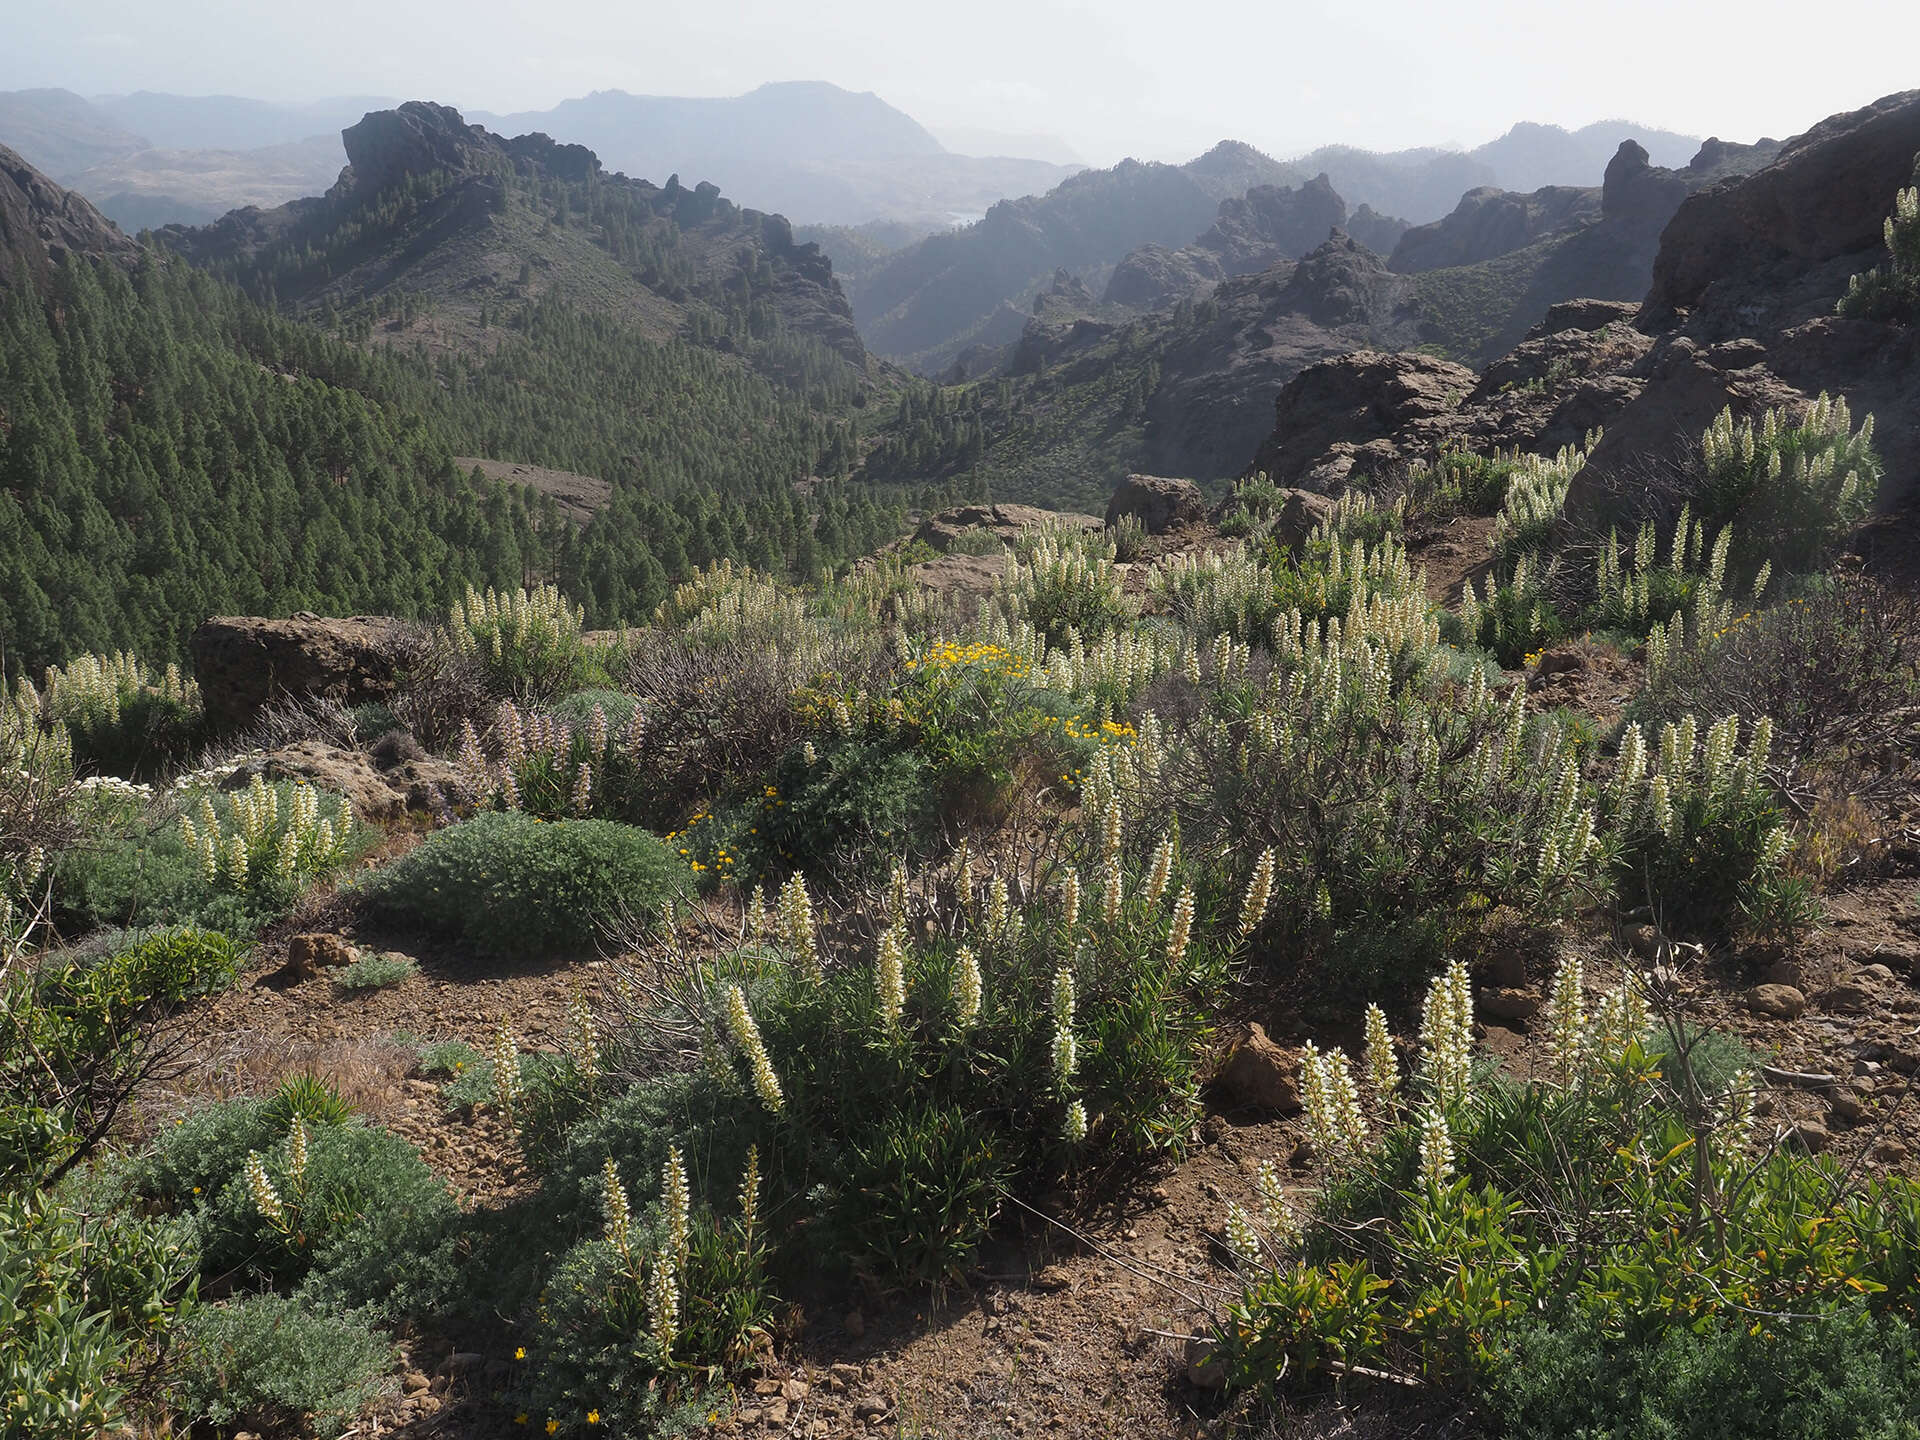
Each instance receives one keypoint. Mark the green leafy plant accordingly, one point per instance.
(516, 886)
(276, 1361)
(377, 972)
(84, 1301)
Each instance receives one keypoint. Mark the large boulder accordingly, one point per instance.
(1159, 501)
(242, 662)
(1004, 522)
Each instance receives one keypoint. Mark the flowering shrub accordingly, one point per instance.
(1795, 490)
(528, 644)
(1701, 834)
(1461, 1232)
(123, 718)
(1634, 593)
(1063, 582)
(516, 886)
(1401, 803)
(1892, 291)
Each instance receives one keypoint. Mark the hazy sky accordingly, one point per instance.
(1160, 79)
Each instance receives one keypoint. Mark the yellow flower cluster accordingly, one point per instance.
(951, 655)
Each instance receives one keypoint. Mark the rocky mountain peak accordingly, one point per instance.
(418, 138)
(1636, 190)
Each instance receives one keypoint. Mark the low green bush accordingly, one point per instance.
(512, 885)
(376, 972)
(278, 1363)
(1616, 1220)
(362, 1219)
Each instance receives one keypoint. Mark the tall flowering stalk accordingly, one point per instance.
(1383, 1067)
(890, 977)
(1446, 1035)
(969, 989)
(1567, 1036)
(506, 1067)
(676, 1204)
(1066, 1052)
(614, 1210)
(746, 1034)
(1181, 929)
(1159, 871)
(1436, 1146)
(797, 929)
(1253, 901)
(1335, 1123)
(1070, 898)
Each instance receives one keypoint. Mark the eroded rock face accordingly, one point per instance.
(1159, 501)
(242, 662)
(41, 224)
(1369, 395)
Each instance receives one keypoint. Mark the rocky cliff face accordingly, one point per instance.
(1746, 274)
(41, 224)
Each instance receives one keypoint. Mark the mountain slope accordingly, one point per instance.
(1491, 270)
(169, 448)
(932, 300)
(1095, 391)
(42, 224)
(458, 225)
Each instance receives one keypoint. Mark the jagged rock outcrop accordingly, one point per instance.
(1740, 314)
(1328, 411)
(1160, 502)
(243, 662)
(42, 223)
(1824, 197)
(1252, 231)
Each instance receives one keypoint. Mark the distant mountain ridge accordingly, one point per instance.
(809, 150)
(149, 160)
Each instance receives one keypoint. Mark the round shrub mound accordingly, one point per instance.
(526, 889)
